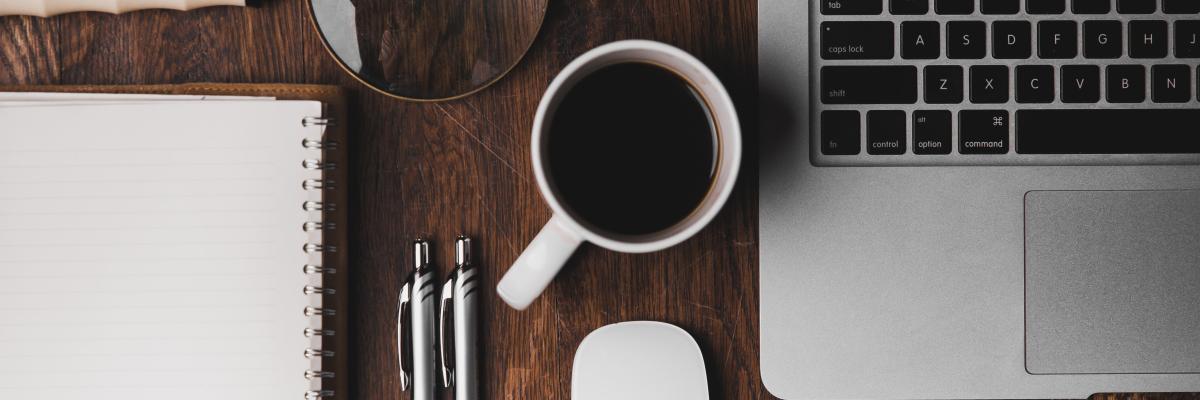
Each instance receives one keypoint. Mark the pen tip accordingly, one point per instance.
(462, 251)
(420, 253)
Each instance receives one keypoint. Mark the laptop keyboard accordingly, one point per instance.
(1006, 82)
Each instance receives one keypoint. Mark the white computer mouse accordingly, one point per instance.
(639, 360)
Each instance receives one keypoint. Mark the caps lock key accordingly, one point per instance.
(857, 40)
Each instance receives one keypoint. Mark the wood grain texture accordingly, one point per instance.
(436, 170)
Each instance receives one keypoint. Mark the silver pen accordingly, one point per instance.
(416, 298)
(460, 297)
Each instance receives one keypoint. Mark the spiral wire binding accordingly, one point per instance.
(318, 394)
(319, 226)
(316, 164)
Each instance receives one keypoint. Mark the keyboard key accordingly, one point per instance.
(966, 39)
(1181, 6)
(932, 132)
(999, 6)
(1172, 83)
(886, 131)
(954, 7)
(1091, 6)
(920, 40)
(1126, 83)
(1011, 39)
(983, 131)
(840, 132)
(1129, 131)
(1147, 39)
(943, 84)
(1187, 38)
(851, 7)
(1035, 84)
(989, 84)
(1056, 39)
(1102, 39)
(857, 40)
(1045, 6)
(1081, 84)
(869, 84)
(1137, 6)
(910, 7)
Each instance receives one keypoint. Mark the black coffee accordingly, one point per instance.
(631, 149)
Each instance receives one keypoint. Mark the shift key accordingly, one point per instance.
(869, 85)
(857, 40)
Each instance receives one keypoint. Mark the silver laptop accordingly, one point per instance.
(979, 198)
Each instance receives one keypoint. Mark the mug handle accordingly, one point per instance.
(538, 264)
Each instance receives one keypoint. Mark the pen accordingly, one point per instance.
(460, 291)
(416, 296)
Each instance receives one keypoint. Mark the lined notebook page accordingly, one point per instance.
(154, 250)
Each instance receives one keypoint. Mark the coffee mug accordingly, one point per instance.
(564, 233)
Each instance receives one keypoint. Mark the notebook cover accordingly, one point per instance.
(335, 104)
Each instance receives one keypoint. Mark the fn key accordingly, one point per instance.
(840, 132)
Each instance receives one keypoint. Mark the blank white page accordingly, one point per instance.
(154, 251)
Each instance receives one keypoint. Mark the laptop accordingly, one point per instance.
(979, 198)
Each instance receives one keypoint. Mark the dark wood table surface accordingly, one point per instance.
(439, 169)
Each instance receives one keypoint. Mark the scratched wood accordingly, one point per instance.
(436, 170)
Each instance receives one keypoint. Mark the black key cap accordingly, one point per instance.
(931, 132)
(886, 131)
(1045, 6)
(954, 7)
(1010, 39)
(1172, 83)
(1187, 38)
(966, 39)
(920, 40)
(857, 40)
(983, 132)
(1129, 131)
(999, 6)
(851, 7)
(909, 7)
(1081, 84)
(989, 84)
(840, 132)
(1091, 6)
(1035, 84)
(1102, 39)
(1181, 6)
(943, 84)
(1056, 39)
(1126, 83)
(1137, 6)
(1147, 39)
(869, 84)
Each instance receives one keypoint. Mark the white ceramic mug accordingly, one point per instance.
(545, 256)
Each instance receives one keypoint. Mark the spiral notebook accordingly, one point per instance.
(181, 246)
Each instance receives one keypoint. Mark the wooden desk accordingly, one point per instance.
(463, 166)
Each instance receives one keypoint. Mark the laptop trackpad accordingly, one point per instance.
(1112, 282)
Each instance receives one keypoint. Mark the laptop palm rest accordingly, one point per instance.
(1112, 282)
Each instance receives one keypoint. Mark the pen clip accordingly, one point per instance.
(447, 306)
(404, 308)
